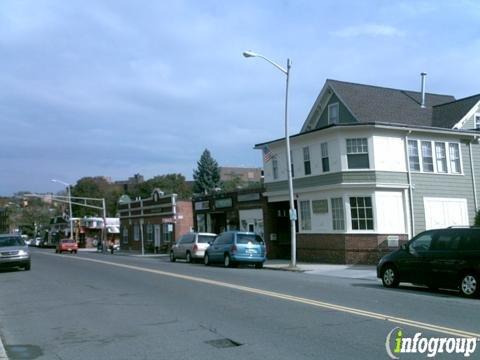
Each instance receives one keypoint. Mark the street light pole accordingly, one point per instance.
(69, 194)
(292, 212)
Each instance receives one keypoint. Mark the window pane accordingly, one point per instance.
(441, 156)
(361, 213)
(305, 215)
(427, 157)
(337, 214)
(324, 147)
(307, 168)
(325, 165)
(275, 168)
(359, 161)
(413, 155)
(333, 113)
(306, 154)
(454, 158)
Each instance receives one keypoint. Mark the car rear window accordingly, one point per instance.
(11, 241)
(246, 238)
(68, 241)
(203, 239)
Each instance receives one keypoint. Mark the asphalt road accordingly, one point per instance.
(94, 306)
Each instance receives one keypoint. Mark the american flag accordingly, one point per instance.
(267, 154)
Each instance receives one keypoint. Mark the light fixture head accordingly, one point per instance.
(249, 53)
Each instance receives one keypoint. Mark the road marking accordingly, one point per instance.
(277, 295)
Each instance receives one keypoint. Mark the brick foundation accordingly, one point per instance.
(344, 248)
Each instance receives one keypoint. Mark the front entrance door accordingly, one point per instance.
(157, 235)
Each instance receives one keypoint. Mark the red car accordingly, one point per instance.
(67, 245)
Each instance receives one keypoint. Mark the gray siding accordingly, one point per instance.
(443, 186)
(344, 115)
(383, 177)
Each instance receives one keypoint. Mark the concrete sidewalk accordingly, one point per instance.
(365, 272)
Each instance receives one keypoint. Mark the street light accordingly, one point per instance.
(293, 214)
(69, 204)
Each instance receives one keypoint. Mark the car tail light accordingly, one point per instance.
(233, 249)
(195, 248)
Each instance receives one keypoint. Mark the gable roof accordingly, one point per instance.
(449, 114)
(370, 103)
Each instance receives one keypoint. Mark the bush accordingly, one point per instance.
(477, 218)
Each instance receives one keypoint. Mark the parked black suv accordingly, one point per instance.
(444, 258)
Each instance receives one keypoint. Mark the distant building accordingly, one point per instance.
(4, 223)
(132, 181)
(154, 222)
(246, 174)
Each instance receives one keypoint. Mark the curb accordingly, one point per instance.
(279, 268)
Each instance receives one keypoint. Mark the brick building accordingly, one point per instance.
(156, 222)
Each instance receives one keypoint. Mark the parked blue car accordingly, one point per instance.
(234, 247)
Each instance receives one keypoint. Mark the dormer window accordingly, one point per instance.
(333, 113)
(477, 121)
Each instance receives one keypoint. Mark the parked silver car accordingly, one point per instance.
(191, 246)
(14, 252)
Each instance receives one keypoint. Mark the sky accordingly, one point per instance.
(114, 88)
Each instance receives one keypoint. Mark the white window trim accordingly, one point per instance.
(348, 211)
(434, 154)
(302, 230)
(337, 105)
(345, 224)
(369, 153)
(476, 121)
(275, 167)
(309, 160)
(324, 157)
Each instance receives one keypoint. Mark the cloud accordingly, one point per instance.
(368, 30)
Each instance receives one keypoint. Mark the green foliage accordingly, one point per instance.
(95, 187)
(33, 214)
(233, 184)
(477, 219)
(207, 175)
(169, 184)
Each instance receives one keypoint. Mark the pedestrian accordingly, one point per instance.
(112, 246)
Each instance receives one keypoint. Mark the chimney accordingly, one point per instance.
(422, 105)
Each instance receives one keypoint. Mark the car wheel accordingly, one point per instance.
(74, 251)
(390, 278)
(188, 257)
(206, 260)
(259, 266)
(226, 261)
(469, 285)
(172, 257)
(27, 267)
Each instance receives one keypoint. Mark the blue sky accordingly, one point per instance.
(116, 87)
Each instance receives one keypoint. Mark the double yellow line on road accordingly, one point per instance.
(277, 295)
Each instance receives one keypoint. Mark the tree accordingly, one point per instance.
(477, 219)
(207, 175)
(169, 184)
(234, 184)
(95, 187)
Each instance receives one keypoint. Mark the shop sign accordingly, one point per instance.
(202, 205)
(320, 206)
(223, 203)
(248, 197)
